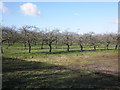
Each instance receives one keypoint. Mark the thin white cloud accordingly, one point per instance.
(76, 14)
(4, 8)
(30, 9)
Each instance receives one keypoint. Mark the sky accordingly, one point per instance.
(80, 17)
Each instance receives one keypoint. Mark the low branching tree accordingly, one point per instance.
(9, 35)
(115, 41)
(50, 38)
(67, 39)
(28, 36)
(79, 40)
(108, 39)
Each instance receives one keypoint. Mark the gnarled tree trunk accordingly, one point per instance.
(29, 47)
(81, 47)
(68, 47)
(42, 45)
(116, 46)
(107, 46)
(50, 47)
(94, 47)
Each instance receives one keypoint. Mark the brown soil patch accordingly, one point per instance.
(90, 67)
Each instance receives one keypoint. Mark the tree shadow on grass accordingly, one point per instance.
(30, 74)
(71, 51)
(60, 52)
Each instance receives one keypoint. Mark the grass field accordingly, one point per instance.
(60, 69)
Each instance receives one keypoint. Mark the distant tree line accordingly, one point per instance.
(29, 35)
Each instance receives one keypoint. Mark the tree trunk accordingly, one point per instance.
(1, 45)
(29, 47)
(68, 47)
(81, 47)
(94, 47)
(107, 46)
(42, 45)
(116, 47)
(13, 42)
(50, 46)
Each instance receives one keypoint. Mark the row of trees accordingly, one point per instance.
(29, 35)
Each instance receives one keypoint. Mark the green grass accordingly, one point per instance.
(40, 69)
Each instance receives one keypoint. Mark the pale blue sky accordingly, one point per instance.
(82, 17)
